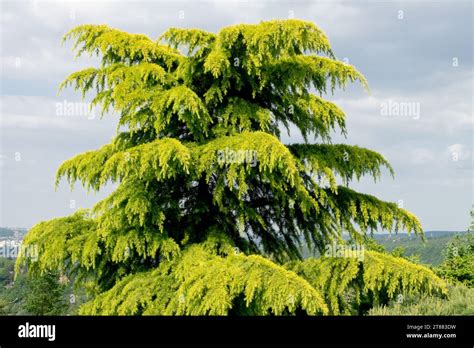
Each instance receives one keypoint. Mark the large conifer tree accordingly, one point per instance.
(212, 209)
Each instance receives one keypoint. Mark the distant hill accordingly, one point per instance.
(430, 251)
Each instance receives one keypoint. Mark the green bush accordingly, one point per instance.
(459, 260)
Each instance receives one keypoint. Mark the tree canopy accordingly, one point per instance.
(212, 209)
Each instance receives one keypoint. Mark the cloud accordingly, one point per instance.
(50, 114)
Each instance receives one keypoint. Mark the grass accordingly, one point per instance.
(460, 301)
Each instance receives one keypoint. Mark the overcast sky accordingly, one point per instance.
(417, 52)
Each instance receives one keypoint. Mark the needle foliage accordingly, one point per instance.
(211, 209)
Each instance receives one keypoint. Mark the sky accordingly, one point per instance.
(416, 55)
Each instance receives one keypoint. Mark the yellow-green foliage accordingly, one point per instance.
(202, 283)
(161, 159)
(330, 276)
(90, 244)
(376, 275)
(71, 238)
(343, 160)
(369, 212)
(182, 102)
(397, 275)
(119, 46)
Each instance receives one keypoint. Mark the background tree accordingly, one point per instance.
(29, 294)
(35, 294)
(458, 265)
(44, 295)
(194, 226)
